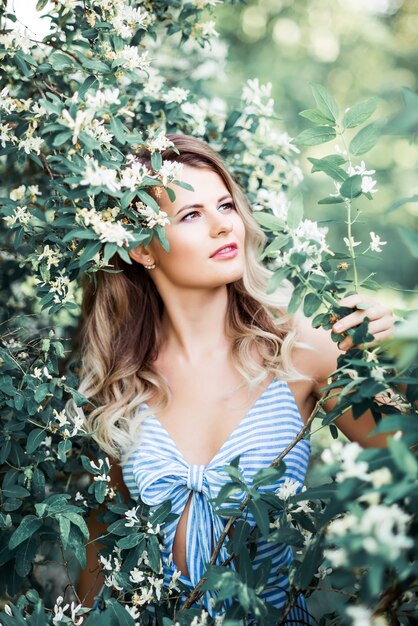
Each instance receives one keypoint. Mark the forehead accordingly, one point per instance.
(208, 186)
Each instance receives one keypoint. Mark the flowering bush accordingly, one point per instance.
(75, 109)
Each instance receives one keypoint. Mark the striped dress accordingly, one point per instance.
(157, 471)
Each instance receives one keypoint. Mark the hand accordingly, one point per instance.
(381, 320)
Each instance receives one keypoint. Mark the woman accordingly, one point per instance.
(211, 366)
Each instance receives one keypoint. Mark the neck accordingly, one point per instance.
(194, 324)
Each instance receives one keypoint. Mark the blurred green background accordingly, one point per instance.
(356, 48)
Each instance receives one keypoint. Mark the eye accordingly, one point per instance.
(227, 205)
(184, 218)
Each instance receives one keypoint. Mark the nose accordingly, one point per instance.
(220, 224)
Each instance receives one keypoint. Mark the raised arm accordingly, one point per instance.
(319, 361)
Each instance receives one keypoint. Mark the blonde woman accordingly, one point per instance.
(189, 364)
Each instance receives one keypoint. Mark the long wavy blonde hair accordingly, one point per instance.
(121, 325)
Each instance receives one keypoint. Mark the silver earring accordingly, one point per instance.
(150, 267)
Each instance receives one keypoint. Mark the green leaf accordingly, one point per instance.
(331, 200)
(63, 448)
(315, 136)
(261, 516)
(288, 536)
(365, 139)
(15, 491)
(64, 525)
(295, 212)
(311, 304)
(130, 541)
(403, 457)
(277, 279)
(329, 166)
(395, 205)
(41, 392)
(296, 299)
(317, 117)
(89, 83)
(268, 221)
(325, 101)
(268, 475)
(359, 113)
(61, 61)
(29, 525)
(118, 130)
(35, 438)
(351, 188)
(41, 4)
(148, 200)
(311, 561)
(25, 556)
(78, 521)
(232, 119)
(156, 161)
(154, 553)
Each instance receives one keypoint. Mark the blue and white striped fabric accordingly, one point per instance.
(157, 471)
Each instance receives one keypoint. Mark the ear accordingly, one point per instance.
(141, 255)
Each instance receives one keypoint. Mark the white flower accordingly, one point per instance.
(337, 557)
(376, 242)
(207, 29)
(136, 576)
(360, 169)
(30, 144)
(5, 135)
(288, 488)
(176, 94)
(380, 477)
(159, 143)
(132, 516)
(59, 610)
(133, 175)
(132, 59)
(106, 562)
(52, 257)
(102, 98)
(368, 184)
(197, 114)
(61, 418)
(99, 176)
(17, 193)
(351, 467)
(378, 373)
(133, 611)
(8, 610)
(258, 98)
(340, 526)
(360, 615)
(115, 233)
(152, 218)
(170, 170)
(20, 214)
(350, 242)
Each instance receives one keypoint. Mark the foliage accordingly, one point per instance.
(75, 109)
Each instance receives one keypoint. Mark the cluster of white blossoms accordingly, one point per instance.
(309, 239)
(108, 231)
(152, 218)
(17, 38)
(59, 613)
(59, 287)
(367, 182)
(96, 175)
(125, 19)
(257, 98)
(20, 215)
(101, 470)
(62, 419)
(133, 174)
(20, 192)
(381, 529)
(289, 487)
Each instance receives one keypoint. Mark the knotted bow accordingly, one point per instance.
(173, 479)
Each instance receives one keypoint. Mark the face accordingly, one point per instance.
(201, 222)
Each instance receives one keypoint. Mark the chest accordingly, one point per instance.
(209, 403)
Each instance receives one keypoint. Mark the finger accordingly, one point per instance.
(381, 325)
(348, 321)
(382, 336)
(353, 300)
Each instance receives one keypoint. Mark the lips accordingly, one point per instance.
(226, 248)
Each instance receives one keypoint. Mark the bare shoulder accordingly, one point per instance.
(316, 354)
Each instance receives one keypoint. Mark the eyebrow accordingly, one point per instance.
(200, 206)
